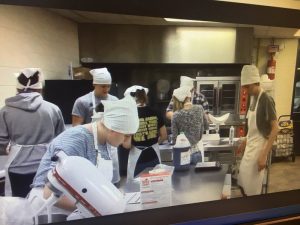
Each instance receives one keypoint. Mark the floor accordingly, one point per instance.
(284, 175)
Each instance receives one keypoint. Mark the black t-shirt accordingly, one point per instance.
(150, 123)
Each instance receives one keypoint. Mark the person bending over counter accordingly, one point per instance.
(189, 119)
(84, 106)
(144, 151)
(93, 141)
(262, 131)
(28, 123)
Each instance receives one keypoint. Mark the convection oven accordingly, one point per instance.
(225, 95)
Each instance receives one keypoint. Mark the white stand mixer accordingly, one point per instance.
(214, 139)
(80, 180)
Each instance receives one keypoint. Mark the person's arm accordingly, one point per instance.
(162, 134)
(169, 110)
(63, 202)
(169, 115)
(78, 113)
(262, 159)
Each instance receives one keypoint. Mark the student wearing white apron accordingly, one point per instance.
(144, 150)
(262, 131)
(94, 141)
(189, 119)
(84, 106)
(113, 151)
(28, 123)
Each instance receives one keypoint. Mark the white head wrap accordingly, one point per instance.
(29, 72)
(182, 93)
(121, 115)
(249, 75)
(134, 88)
(101, 76)
(187, 82)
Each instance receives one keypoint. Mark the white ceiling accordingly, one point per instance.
(108, 18)
(289, 4)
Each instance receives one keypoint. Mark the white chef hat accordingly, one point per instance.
(134, 88)
(121, 115)
(182, 93)
(249, 75)
(29, 72)
(187, 81)
(101, 76)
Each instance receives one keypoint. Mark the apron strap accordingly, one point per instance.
(94, 103)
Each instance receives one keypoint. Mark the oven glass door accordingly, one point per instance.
(209, 90)
(228, 97)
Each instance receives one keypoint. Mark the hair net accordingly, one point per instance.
(187, 82)
(29, 72)
(182, 93)
(249, 75)
(121, 115)
(134, 88)
(101, 76)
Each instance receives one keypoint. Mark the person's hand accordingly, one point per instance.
(7, 149)
(262, 162)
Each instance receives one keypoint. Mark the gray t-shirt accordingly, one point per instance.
(266, 113)
(192, 122)
(83, 106)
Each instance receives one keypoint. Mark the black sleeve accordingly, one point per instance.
(160, 121)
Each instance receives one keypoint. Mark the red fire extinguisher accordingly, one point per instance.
(271, 66)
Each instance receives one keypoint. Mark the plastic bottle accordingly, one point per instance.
(231, 135)
(181, 153)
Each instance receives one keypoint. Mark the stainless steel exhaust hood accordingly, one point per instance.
(164, 44)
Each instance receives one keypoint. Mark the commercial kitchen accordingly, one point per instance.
(139, 45)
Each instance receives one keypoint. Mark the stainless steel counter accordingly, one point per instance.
(222, 152)
(188, 187)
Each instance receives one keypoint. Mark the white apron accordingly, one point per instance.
(13, 152)
(249, 178)
(134, 155)
(105, 166)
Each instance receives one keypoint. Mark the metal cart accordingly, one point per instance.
(284, 143)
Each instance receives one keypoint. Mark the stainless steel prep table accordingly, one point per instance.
(189, 187)
(224, 152)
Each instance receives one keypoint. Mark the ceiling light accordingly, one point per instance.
(186, 21)
(297, 34)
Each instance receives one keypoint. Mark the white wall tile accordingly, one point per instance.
(5, 92)
(35, 37)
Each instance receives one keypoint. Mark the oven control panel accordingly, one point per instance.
(243, 102)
